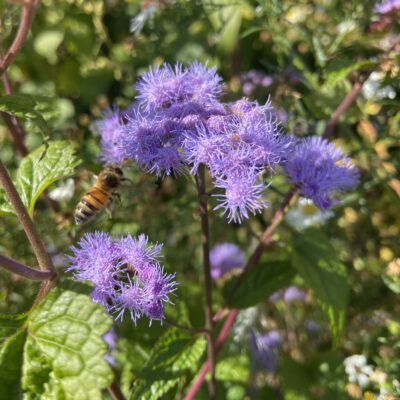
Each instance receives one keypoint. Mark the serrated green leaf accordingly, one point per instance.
(259, 283)
(172, 357)
(11, 353)
(318, 264)
(39, 170)
(234, 369)
(10, 324)
(146, 390)
(64, 352)
(24, 106)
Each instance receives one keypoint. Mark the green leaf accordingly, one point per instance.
(227, 20)
(259, 283)
(10, 324)
(64, 352)
(25, 106)
(175, 354)
(39, 170)
(47, 42)
(342, 70)
(11, 354)
(234, 369)
(392, 282)
(318, 264)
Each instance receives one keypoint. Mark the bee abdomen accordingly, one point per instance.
(87, 208)
(84, 212)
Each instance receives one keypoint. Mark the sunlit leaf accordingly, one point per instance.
(39, 170)
(64, 352)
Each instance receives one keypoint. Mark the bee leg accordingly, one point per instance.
(117, 195)
(109, 208)
(127, 180)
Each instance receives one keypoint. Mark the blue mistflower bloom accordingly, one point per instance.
(264, 349)
(224, 257)
(242, 194)
(178, 123)
(164, 86)
(111, 130)
(127, 275)
(387, 7)
(320, 170)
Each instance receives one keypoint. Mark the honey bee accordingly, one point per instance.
(100, 195)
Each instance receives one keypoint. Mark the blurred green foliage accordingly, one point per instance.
(81, 58)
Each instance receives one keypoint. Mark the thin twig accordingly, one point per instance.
(202, 195)
(35, 240)
(218, 346)
(27, 15)
(186, 328)
(346, 104)
(19, 269)
(13, 125)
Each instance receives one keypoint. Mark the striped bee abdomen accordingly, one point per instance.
(91, 203)
(100, 195)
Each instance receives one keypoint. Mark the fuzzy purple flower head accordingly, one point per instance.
(320, 170)
(289, 295)
(224, 257)
(387, 7)
(294, 294)
(264, 349)
(179, 123)
(166, 86)
(127, 275)
(111, 130)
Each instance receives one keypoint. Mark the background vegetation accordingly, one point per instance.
(83, 57)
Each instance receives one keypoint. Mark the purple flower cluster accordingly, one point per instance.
(126, 274)
(264, 349)
(320, 170)
(224, 257)
(178, 123)
(253, 79)
(111, 130)
(290, 295)
(388, 6)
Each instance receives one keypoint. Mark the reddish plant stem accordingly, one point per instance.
(209, 324)
(13, 125)
(345, 104)
(115, 392)
(266, 238)
(35, 240)
(218, 346)
(27, 15)
(19, 269)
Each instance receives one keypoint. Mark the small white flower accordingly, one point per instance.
(63, 192)
(358, 370)
(244, 322)
(306, 214)
(372, 87)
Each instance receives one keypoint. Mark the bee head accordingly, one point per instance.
(111, 177)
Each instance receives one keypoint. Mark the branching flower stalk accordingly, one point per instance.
(27, 16)
(265, 240)
(22, 270)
